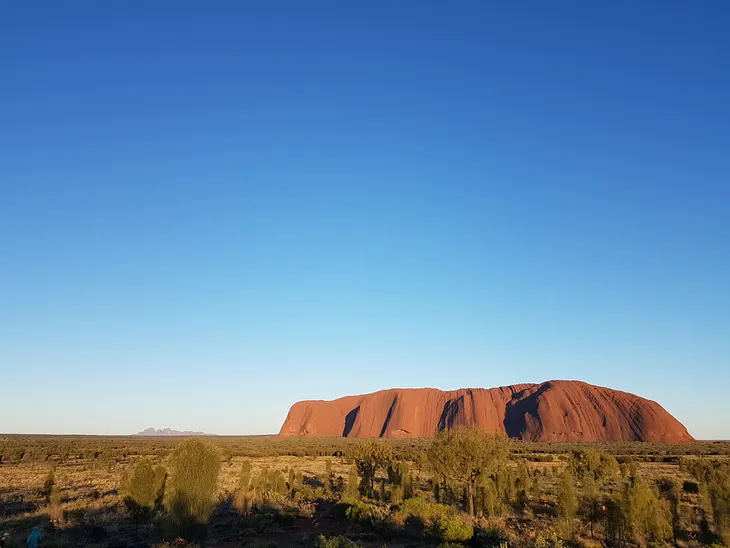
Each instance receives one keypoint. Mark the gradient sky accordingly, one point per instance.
(211, 210)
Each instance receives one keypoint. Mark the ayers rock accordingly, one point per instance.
(550, 411)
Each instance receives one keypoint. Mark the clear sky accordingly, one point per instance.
(211, 210)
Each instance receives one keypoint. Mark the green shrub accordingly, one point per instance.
(452, 528)
(548, 539)
(464, 455)
(358, 511)
(334, 542)
(427, 512)
(48, 484)
(649, 516)
(140, 491)
(450, 545)
(193, 483)
(369, 457)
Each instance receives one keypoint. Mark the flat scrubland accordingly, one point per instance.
(336, 492)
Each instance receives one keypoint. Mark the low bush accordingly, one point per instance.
(549, 539)
(427, 512)
(334, 542)
(358, 511)
(452, 528)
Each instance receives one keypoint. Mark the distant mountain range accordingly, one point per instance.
(169, 432)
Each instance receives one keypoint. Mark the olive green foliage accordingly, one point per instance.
(696, 509)
(715, 488)
(591, 501)
(243, 498)
(649, 516)
(567, 500)
(670, 491)
(48, 484)
(191, 493)
(505, 485)
(400, 481)
(244, 476)
(63, 449)
(351, 490)
(141, 490)
(629, 471)
(370, 456)
(522, 501)
(330, 483)
(549, 539)
(420, 509)
(596, 464)
(334, 542)
(452, 528)
(364, 512)
(520, 478)
(616, 517)
(490, 502)
(535, 488)
(268, 483)
(465, 455)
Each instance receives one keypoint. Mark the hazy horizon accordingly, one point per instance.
(209, 212)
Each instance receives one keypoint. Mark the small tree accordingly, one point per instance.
(48, 484)
(370, 456)
(405, 468)
(398, 475)
(352, 482)
(140, 492)
(649, 516)
(523, 500)
(670, 491)
(591, 501)
(536, 489)
(464, 455)
(329, 483)
(242, 498)
(291, 481)
(195, 465)
(616, 517)
(491, 504)
(588, 462)
(505, 485)
(567, 501)
(244, 476)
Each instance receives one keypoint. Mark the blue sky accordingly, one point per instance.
(210, 212)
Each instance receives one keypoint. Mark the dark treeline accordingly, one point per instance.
(35, 448)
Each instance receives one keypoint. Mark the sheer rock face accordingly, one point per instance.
(550, 411)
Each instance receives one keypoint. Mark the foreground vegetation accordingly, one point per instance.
(462, 488)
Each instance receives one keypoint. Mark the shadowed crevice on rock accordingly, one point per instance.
(388, 417)
(450, 414)
(350, 421)
(521, 415)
